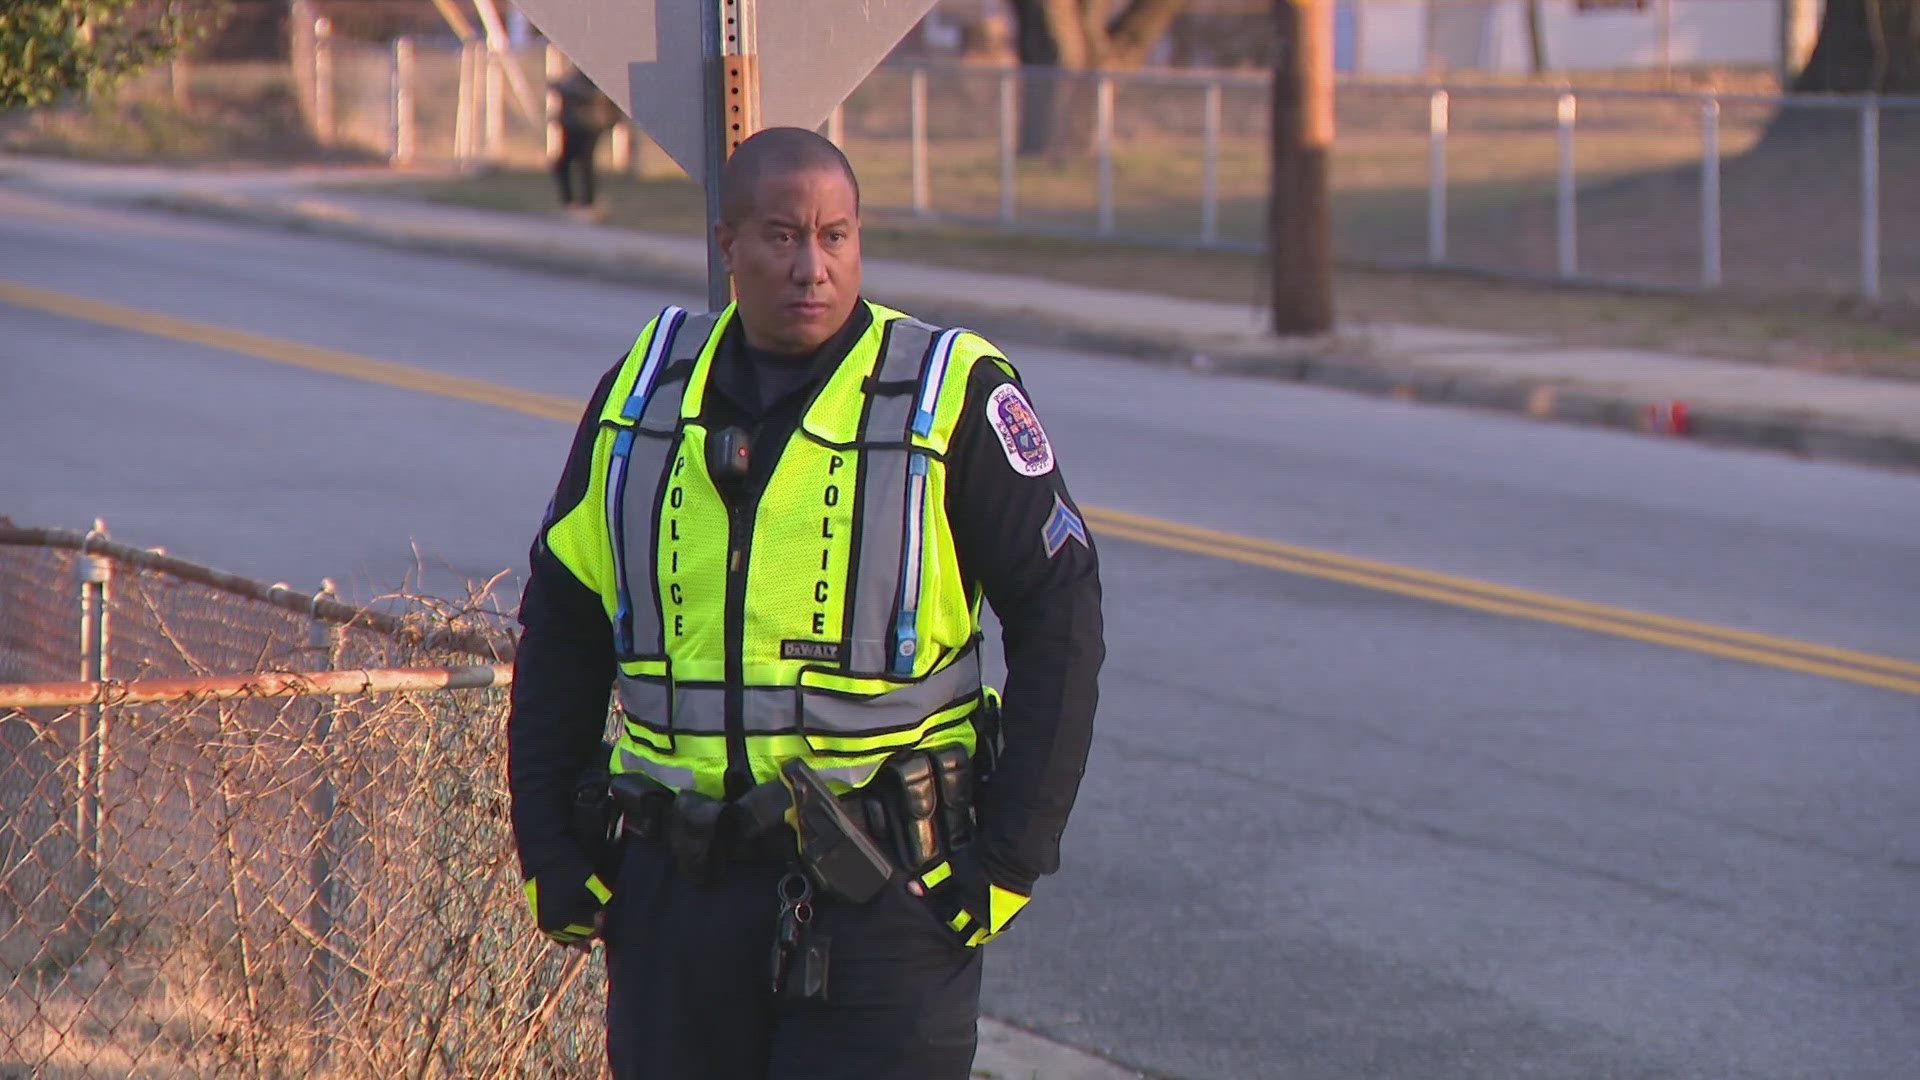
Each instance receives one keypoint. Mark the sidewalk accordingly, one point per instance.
(1844, 417)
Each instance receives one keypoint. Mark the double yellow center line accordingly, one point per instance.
(1814, 659)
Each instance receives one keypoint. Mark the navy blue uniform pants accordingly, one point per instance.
(689, 995)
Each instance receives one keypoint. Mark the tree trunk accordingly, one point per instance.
(1057, 40)
(1865, 46)
(1039, 57)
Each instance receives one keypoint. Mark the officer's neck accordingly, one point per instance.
(764, 352)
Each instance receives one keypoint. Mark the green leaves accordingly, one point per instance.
(51, 48)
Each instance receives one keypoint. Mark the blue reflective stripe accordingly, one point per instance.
(931, 378)
(616, 522)
(664, 329)
(906, 638)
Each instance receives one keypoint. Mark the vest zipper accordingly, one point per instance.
(739, 779)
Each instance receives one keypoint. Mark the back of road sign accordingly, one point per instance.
(648, 54)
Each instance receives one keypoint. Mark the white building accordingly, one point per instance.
(1407, 37)
(1414, 37)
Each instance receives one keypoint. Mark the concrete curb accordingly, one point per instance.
(1347, 362)
(1010, 1053)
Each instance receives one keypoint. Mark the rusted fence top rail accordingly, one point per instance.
(272, 684)
(496, 646)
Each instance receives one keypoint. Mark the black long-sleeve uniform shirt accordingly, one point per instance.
(1019, 536)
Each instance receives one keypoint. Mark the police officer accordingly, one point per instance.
(771, 539)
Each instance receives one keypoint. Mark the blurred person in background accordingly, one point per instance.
(585, 115)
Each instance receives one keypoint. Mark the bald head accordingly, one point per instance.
(772, 152)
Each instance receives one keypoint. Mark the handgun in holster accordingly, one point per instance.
(836, 853)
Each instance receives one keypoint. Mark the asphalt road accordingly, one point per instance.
(1330, 829)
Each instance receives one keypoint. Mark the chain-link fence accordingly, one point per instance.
(259, 875)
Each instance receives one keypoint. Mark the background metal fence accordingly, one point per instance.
(1604, 182)
(253, 877)
(1669, 190)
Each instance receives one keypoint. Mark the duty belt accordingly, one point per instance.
(918, 807)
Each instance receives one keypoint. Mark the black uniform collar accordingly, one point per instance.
(736, 363)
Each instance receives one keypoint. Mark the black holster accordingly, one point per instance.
(702, 832)
(595, 817)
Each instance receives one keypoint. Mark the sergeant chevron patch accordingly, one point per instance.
(1062, 525)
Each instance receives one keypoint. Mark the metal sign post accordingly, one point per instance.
(730, 112)
(693, 78)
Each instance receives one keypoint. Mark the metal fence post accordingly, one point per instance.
(323, 81)
(1870, 198)
(837, 126)
(620, 147)
(179, 81)
(1710, 192)
(1210, 165)
(917, 101)
(1009, 144)
(463, 107)
(556, 64)
(1564, 205)
(95, 573)
(496, 113)
(324, 639)
(1439, 121)
(1103, 139)
(403, 120)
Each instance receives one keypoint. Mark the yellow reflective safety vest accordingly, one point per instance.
(827, 621)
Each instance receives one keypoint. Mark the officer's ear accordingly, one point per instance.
(723, 237)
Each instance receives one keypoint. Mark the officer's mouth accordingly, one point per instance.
(808, 309)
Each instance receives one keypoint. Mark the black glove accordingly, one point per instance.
(567, 903)
(967, 898)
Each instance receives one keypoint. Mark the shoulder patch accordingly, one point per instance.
(1021, 435)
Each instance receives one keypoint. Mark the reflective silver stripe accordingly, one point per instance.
(930, 383)
(851, 775)
(883, 487)
(626, 627)
(663, 415)
(647, 699)
(889, 415)
(876, 575)
(906, 633)
(665, 328)
(702, 710)
(650, 446)
(836, 714)
(648, 462)
(780, 710)
(673, 776)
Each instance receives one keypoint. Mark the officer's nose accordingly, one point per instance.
(810, 264)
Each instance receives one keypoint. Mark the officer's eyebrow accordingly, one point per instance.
(798, 226)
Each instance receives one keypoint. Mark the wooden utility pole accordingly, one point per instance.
(1301, 246)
